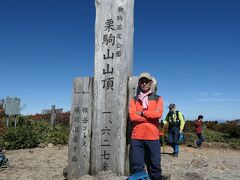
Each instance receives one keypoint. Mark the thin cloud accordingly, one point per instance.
(217, 94)
(230, 78)
(214, 99)
(199, 94)
(205, 94)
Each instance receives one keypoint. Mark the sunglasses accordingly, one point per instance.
(144, 80)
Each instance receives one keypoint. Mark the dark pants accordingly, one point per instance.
(173, 136)
(146, 151)
(200, 139)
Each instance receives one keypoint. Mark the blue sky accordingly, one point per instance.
(192, 47)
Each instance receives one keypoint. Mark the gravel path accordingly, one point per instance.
(198, 164)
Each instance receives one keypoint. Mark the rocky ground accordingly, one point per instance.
(198, 164)
(202, 164)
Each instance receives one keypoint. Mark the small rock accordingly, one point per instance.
(65, 172)
(50, 145)
(199, 163)
(193, 175)
(59, 147)
(166, 177)
(41, 145)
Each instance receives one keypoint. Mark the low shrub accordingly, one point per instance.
(214, 136)
(57, 135)
(20, 138)
(30, 133)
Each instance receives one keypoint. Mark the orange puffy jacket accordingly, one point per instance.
(146, 127)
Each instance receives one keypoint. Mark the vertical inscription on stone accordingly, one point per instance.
(80, 132)
(113, 66)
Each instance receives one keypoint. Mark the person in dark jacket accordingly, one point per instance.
(199, 130)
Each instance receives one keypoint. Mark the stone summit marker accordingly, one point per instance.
(99, 111)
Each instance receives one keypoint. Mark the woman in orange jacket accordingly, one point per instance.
(145, 110)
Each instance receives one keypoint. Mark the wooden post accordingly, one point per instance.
(80, 132)
(113, 66)
(15, 121)
(53, 115)
(7, 119)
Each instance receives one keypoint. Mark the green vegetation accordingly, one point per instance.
(228, 133)
(30, 132)
(35, 129)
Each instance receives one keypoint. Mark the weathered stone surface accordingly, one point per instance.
(80, 128)
(112, 67)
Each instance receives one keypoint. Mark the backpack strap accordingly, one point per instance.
(174, 123)
(177, 114)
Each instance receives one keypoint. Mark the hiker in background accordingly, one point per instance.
(145, 110)
(199, 130)
(175, 122)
